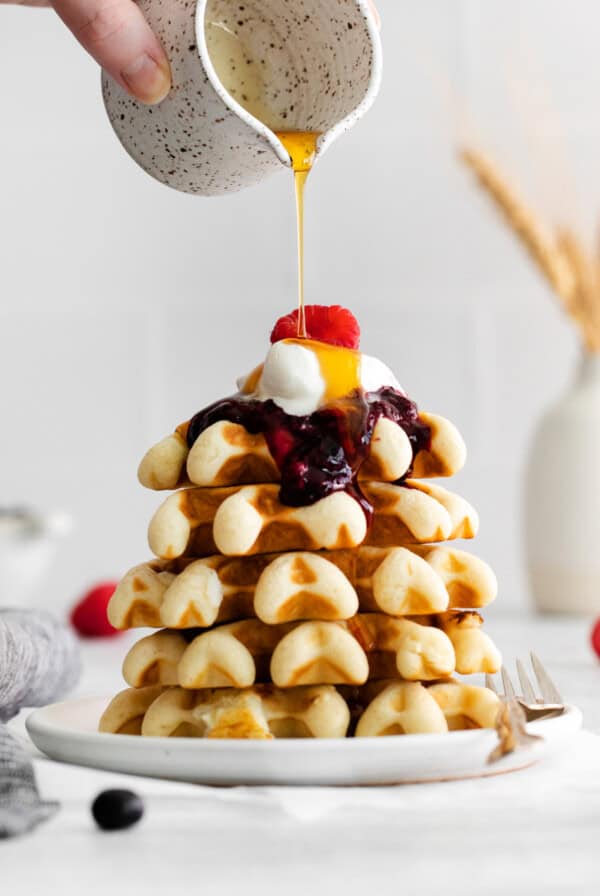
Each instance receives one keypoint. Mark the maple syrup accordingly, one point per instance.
(339, 367)
(302, 148)
(246, 79)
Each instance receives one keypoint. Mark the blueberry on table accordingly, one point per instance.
(114, 810)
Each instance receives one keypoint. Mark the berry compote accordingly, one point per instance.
(320, 453)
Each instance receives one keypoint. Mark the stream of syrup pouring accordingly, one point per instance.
(302, 148)
(247, 77)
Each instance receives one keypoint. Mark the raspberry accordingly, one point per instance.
(595, 638)
(88, 617)
(326, 323)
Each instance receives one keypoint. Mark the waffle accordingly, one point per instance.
(305, 586)
(465, 705)
(186, 593)
(401, 708)
(390, 454)
(163, 466)
(227, 454)
(243, 653)
(154, 660)
(125, 712)
(264, 712)
(289, 587)
(422, 579)
(474, 650)
(276, 588)
(447, 452)
(425, 648)
(470, 583)
(417, 513)
(184, 523)
(410, 708)
(250, 519)
(369, 645)
(259, 712)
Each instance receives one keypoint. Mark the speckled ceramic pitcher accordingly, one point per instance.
(242, 70)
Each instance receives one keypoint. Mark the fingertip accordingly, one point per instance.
(147, 79)
(120, 39)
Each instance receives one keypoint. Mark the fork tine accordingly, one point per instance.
(550, 692)
(526, 686)
(490, 683)
(509, 691)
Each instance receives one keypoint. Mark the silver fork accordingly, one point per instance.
(548, 705)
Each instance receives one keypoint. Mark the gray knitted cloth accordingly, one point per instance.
(39, 663)
(21, 808)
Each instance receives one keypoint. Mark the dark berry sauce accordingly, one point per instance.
(320, 453)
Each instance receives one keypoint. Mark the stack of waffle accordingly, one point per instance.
(279, 621)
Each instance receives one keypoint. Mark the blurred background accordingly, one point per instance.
(126, 307)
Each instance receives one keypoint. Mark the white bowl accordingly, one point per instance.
(28, 542)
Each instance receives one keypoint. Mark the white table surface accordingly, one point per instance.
(438, 839)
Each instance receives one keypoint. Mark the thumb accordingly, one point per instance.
(116, 34)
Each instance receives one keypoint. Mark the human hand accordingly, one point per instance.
(117, 35)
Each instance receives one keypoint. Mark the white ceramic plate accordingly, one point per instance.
(68, 732)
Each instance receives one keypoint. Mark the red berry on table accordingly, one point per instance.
(326, 323)
(88, 617)
(595, 638)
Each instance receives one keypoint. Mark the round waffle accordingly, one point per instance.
(263, 712)
(392, 708)
(370, 645)
(227, 454)
(258, 713)
(278, 588)
(251, 519)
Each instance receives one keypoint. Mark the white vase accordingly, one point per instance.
(563, 499)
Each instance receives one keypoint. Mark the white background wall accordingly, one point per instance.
(126, 307)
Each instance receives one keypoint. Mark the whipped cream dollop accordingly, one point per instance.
(301, 376)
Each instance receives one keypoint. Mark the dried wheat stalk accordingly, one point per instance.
(571, 272)
(586, 299)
